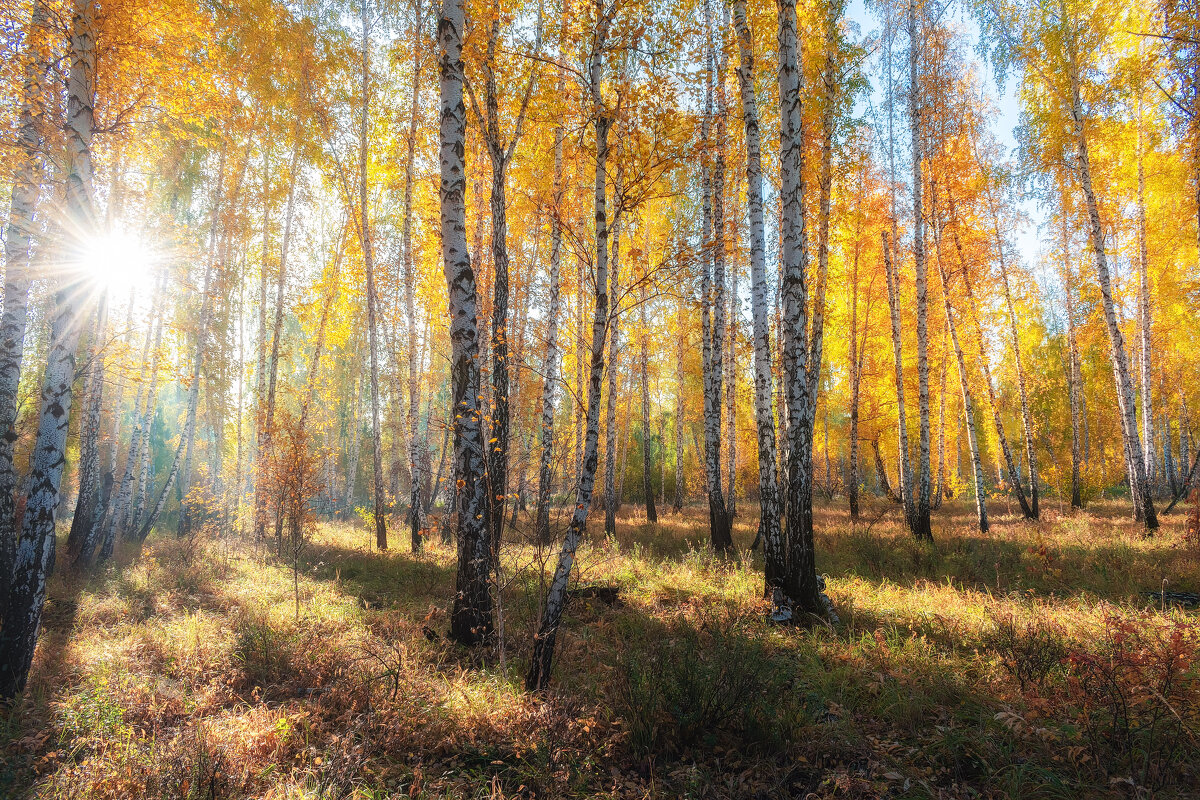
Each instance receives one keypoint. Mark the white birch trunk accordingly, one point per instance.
(26, 187)
(920, 523)
(538, 677)
(1120, 360)
(471, 617)
(34, 558)
(550, 370)
(764, 412)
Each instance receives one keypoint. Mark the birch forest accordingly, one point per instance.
(600, 399)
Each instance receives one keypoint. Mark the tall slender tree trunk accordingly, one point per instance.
(963, 376)
(34, 558)
(713, 305)
(791, 576)
(1146, 349)
(1120, 360)
(187, 434)
(267, 433)
(260, 373)
(26, 186)
(498, 446)
(415, 516)
(86, 522)
(550, 370)
(764, 412)
(920, 522)
(364, 210)
(647, 468)
(677, 502)
(1014, 477)
(852, 477)
(1074, 379)
(904, 477)
(612, 492)
(471, 617)
(538, 677)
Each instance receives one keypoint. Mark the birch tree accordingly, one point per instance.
(764, 411)
(471, 617)
(27, 179)
(538, 677)
(34, 558)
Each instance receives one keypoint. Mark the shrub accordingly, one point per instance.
(1138, 698)
(1029, 650)
(693, 687)
(264, 653)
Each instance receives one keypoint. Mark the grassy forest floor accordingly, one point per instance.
(1035, 661)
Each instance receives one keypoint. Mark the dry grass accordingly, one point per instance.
(1026, 663)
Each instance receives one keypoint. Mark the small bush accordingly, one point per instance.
(1138, 699)
(264, 654)
(696, 687)
(1029, 649)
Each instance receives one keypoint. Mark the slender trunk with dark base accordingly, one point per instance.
(372, 296)
(764, 412)
(550, 371)
(26, 186)
(538, 677)
(1120, 360)
(34, 558)
(647, 471)
(471, 617)
(920, 522)
(712, 300)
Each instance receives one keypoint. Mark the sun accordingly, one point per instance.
(119, 262)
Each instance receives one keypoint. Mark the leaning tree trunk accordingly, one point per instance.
(538, 677)
(1014, 477)
(121, 506)
(939, 493)
(189, 425)
(968, 412)
(963, 379)
(34, 557)
(764, 412)
(85, 524)
(26, 186)
(471, 616)
(1116, 340)
(1026, 417)
(134, 515)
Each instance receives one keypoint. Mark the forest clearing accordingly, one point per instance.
(974, 666)
(600, 398)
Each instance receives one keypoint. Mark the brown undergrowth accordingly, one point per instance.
(1032, 662)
